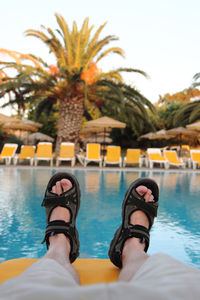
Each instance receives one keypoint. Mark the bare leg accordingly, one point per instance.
(133, 255)
(59, 248)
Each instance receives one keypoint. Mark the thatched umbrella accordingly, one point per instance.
(39, 137)
(194, 126)
(183, 134)
(19, 126)
(158, 135)
(100, 140)
(32, 123)
(5, 119)
(104, 123)
(85, 132)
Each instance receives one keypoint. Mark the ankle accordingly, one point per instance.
(131, 246)
(59, 241)
(140, 218)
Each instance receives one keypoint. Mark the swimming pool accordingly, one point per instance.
(176, 231)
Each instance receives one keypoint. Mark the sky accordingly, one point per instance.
(160, 37)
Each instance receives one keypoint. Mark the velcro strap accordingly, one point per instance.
(150, 207)
(137, 231)
(58, 200)
(58, 226)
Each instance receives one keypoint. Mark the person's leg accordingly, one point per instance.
(133, 255)
(59, 247)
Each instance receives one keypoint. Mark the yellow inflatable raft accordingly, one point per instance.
(90, 270)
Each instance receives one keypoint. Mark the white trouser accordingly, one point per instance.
(160, 277)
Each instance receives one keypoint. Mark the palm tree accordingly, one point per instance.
(187, 114)
(75, 81)
(190, 112)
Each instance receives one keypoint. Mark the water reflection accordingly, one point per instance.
(92, 181)
(22, 222)
(112, 180)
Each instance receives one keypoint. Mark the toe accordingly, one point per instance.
(141, 190)
(145, 192)
(66, 184)
(53, 189)
(58, 188)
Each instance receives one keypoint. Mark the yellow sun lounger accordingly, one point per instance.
(155, 156)
(93, 154)
(44, 152)
(27, 152)
(195, 158)
(133, 157)
(113, 156)
(173, 159)
(86, 268)
(8, 152)
(67, 153)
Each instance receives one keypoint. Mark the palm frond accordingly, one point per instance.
(132, 70)
(66, 35)
(116, 50)
(95, 38)
(90, 55)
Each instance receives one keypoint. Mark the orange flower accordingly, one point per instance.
(53, 70)
(89, 75)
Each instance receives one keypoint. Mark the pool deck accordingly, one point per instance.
(89, 168)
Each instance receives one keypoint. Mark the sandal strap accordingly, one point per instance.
(149, 207)
(60, 200)
(59, 226)
(137, 202)
(137, 231)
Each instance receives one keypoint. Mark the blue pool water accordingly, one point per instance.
(176, 231)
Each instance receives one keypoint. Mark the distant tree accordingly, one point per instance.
(184, 96)
(129, 106)
(190, 112)
(187, 114)
(167, 114)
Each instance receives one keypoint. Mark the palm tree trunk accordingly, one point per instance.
(69, 121)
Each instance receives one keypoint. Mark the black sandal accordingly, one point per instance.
(70, 200)
(132, 202)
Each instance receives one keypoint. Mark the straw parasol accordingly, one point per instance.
(104, 122)
(32, 123)
(158, 135)
(4, 119)
(85, 132)
(98, 139)
(194, 126)
(19, 126)
(38, 136)
(183, 133)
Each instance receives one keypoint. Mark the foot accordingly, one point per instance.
(59, 212)
(140, 218)
(59, 244)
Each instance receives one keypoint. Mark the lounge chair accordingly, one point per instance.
(155, 156)
(44, 152)
(8, 152)
(113, 156)
(27, 152)
(195, 158)
(172, 158)
(133, 157)
(93, 154)
(67, 153)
